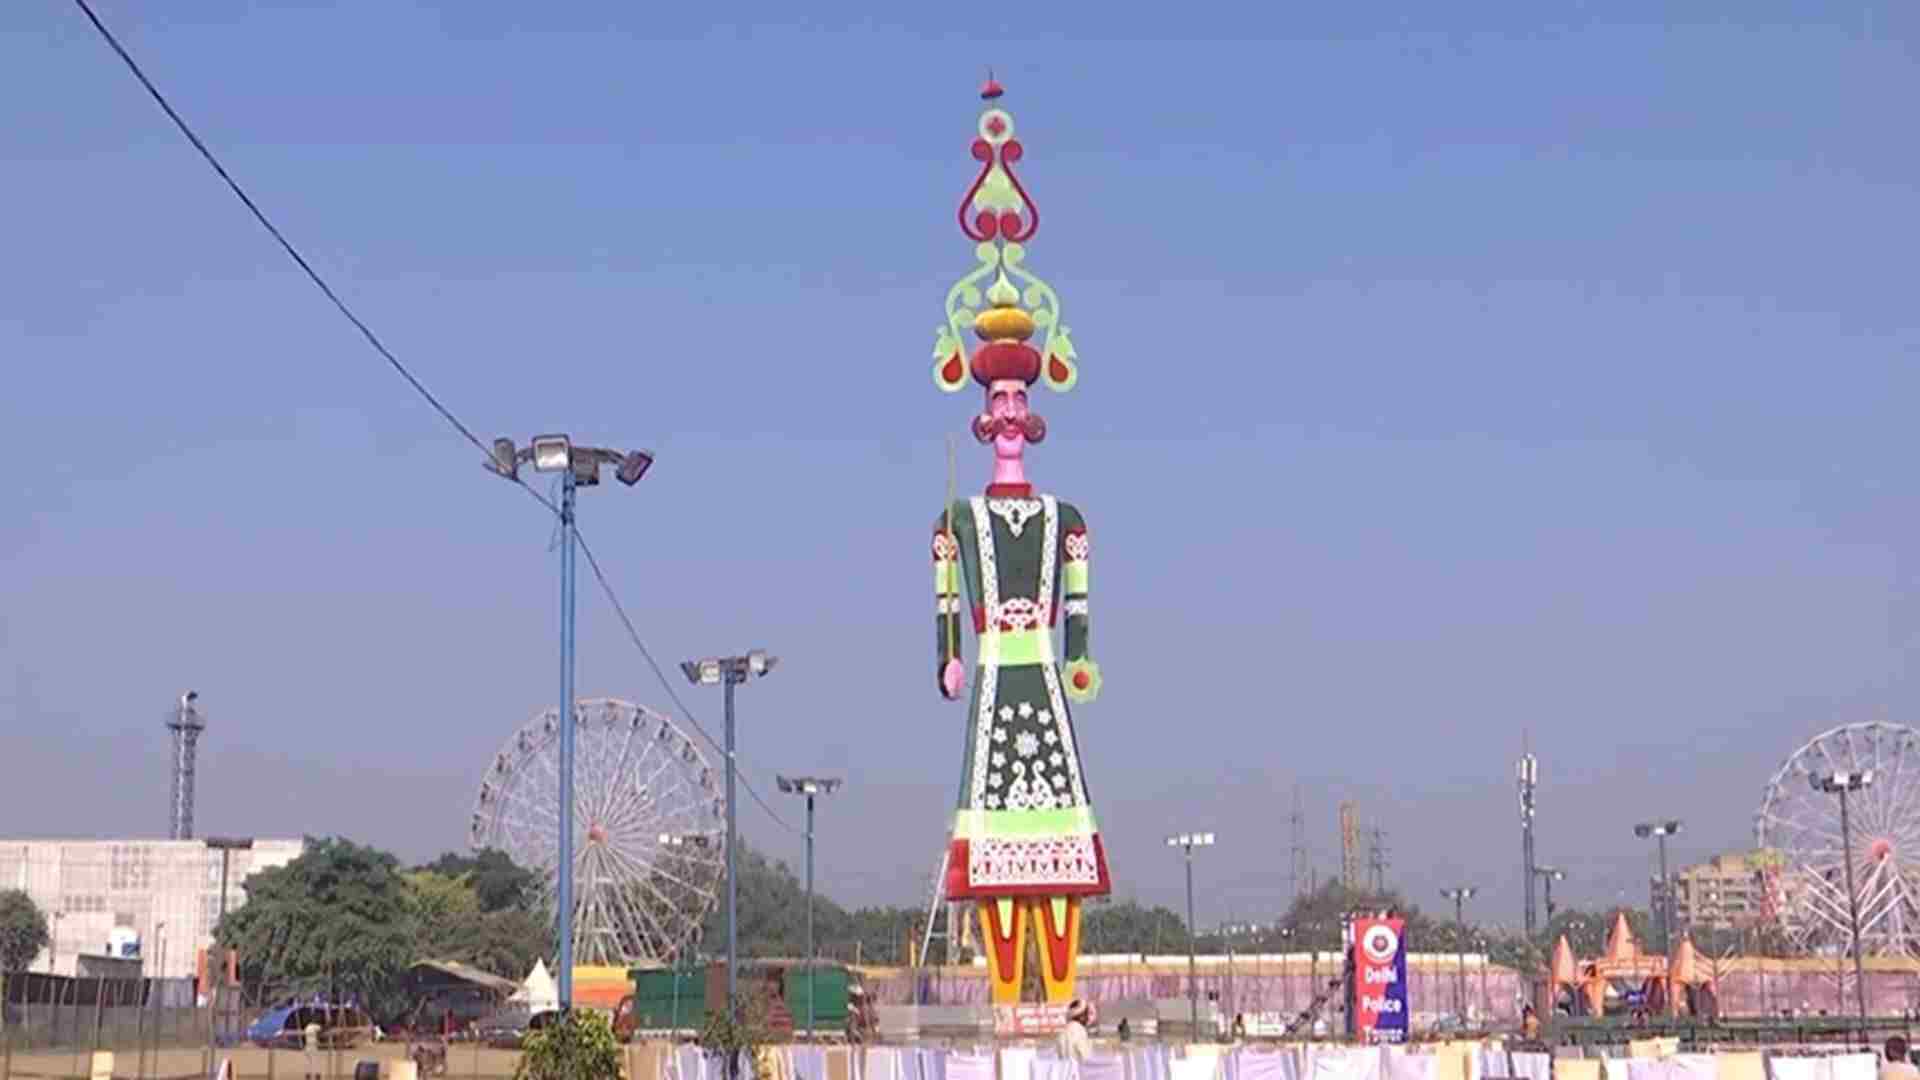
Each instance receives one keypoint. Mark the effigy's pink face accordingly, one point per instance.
(1007, 403)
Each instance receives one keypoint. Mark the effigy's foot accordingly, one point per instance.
(1056, 921)
(1003, 925)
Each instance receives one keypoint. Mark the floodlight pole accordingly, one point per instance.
(731, 671)
(1841, 784)
(733, 867)
(1187, 842)
(565, 890)
(576, 465)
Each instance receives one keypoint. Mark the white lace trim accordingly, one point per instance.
(1016, 512)
(1040, 860)
(1076, 607)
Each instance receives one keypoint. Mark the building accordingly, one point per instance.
(1726, 892)
(154, 899)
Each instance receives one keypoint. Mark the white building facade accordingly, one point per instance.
(158, 898)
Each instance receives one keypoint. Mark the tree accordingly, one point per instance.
(498, 883)
(339, 920)
(581, 1046)
(23, 931)
(451, 923)
(1129, 927)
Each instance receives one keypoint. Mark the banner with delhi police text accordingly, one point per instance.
(1380, 980)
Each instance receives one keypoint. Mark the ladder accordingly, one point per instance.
(944, 920)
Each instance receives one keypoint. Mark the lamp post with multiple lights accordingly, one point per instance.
(811, 787)
(729, 672)
(1661, 830)
(1842, 783)
(578, 466)
(1189, 841)
(1549, 875)
(1460, 896)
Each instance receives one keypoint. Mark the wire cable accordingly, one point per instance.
(620, 610)
(419, 387)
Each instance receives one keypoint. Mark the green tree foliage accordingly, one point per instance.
(773, 918)
(346, 920)
(497, 881)
(580, 1047)
(1129, 927)
(452, 923)
(23, 931)
(339, 920)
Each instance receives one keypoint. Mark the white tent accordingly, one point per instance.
(539, 993)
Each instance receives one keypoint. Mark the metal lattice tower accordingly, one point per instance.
(186, 723)
(1377, 858)
(1297, 871)
(1526, 773)
(1349, 847)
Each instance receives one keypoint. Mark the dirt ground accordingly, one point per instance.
(251, 1063)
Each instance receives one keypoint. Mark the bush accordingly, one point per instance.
(579, 1047)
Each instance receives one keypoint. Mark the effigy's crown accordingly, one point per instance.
(1000, 217)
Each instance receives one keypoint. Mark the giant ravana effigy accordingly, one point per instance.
(1025, 848)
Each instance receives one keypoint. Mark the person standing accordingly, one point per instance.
(1898, 1066)
(1074, 1044)
(310, 1043)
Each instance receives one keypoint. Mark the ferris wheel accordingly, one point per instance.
(1799, 827)
(648, 845)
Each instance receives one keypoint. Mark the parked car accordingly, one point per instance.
(508, 1029)
(341, 1026)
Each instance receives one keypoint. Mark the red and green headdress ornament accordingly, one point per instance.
(1000, 217)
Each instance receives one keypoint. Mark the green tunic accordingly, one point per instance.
(1023, 823)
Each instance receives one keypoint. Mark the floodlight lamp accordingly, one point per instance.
(1204, 839)
(1670, 828)
(586, 468)
(551, 453)
(702, 672)
(633, 467)
(1643, 831)
(759, 662)
(506, 460)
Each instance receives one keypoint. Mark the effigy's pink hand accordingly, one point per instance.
(953, 679)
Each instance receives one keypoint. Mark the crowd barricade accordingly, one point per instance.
(1651, 1059)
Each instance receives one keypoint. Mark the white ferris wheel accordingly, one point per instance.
(1798, 826)
(648, 844)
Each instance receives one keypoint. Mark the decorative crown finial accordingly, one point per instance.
(1000, 217)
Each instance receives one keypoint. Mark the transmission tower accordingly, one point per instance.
(186, 723)
(1526, 773)
(1298, 820)
(1349, 847)
(1377, 859)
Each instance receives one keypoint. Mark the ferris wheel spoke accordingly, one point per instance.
(641, 878)
(619, 769)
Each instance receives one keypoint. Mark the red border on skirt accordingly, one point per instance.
(958, 889)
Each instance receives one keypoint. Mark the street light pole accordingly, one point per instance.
(1549, 875)
(1840, 783)
(1460, 896)
(1661, 830)
(729, 672)
(809, 786)
(577, 465)
(1189, 841)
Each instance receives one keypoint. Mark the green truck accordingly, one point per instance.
(670, 1000)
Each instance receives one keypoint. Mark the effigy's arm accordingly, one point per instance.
(946, 599)
(1082, 674)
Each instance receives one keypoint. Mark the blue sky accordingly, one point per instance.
(1448, 372)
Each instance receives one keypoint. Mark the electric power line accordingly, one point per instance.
(413, 381)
